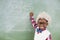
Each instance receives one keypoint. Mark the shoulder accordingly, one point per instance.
(47, 31)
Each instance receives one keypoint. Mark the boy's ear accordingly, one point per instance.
(47, 23)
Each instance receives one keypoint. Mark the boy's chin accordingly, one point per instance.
(42, 28)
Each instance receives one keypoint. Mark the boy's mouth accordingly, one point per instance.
(41, 27)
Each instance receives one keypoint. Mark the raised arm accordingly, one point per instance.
(32, 20)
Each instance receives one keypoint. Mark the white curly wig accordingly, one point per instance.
(45, 16)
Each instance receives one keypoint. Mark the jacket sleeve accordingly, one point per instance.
(49, 38)
(33, 22)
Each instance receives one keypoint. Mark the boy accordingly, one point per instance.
(40, 25)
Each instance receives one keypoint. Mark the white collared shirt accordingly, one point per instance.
(44, 35)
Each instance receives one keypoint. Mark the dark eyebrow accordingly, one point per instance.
(44, 19)
(39, 18)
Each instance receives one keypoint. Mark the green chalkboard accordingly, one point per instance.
(14, 18)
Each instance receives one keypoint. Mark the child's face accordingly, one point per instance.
(42, 23)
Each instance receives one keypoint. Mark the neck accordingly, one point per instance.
(42, 29)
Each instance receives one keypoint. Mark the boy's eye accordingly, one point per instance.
(42, 23)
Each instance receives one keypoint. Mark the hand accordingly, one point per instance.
(31, 14)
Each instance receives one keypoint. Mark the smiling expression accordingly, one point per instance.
(42, 23)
